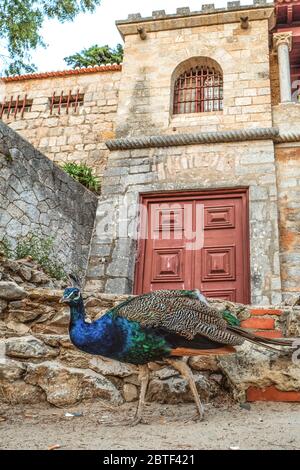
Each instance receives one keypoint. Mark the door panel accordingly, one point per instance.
(219, 266)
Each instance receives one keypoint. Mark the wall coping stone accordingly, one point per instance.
(184, 18)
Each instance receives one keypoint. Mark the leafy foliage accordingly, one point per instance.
(96, 55)
(83, 174)
(38, 248)
(5, 248)
(21, 21)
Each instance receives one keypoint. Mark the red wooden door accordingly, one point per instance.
(195, 240)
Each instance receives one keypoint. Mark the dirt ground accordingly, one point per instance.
(263, 426)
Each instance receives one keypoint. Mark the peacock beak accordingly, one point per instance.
(64, 300)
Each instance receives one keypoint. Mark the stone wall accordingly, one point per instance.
(274, 77)
(36, 196)
(150, 67)
(228, 165)
(286, 117)
(38, 363)
(77, 136)
(288, 180)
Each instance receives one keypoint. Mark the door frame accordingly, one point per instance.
(147, 198)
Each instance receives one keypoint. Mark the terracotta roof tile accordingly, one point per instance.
(63, 73)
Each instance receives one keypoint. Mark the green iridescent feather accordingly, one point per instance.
(230, 318)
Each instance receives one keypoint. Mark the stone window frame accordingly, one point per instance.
(186, 66)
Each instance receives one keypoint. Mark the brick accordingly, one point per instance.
(265, 311)
(271, 394)
(259, 323)
(270, 334)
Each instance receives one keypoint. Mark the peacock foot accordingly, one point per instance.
(138, 420)
(196, 418)
(132, 422)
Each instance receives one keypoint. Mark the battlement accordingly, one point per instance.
(184, 17)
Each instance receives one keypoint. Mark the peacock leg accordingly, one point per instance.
(186, 372)
(144, 380)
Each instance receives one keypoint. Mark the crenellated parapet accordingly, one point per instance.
(209, 14)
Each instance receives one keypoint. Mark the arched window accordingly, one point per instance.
(198, 89)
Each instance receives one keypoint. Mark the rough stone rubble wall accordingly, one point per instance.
(39, 364)
(37, 196)
(77, 136)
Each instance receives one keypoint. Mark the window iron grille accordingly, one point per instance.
(198, 90)
(66, 102)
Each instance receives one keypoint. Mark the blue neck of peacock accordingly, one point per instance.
(77, 312)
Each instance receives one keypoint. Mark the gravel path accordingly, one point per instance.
(264, 426)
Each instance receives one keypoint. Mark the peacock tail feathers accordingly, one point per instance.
(230, 318)
(180, 312)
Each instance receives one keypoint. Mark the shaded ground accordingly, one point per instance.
(264, 426)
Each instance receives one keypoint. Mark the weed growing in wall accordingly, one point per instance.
(39, 249)
(83, 174)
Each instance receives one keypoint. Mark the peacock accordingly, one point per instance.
(168, 325)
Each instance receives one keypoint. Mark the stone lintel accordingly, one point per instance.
(208, 16)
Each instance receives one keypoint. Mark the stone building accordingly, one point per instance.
(198, 132)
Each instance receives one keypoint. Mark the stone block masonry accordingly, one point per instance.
(206, 166)
(37, 196)
(288, 180)
(74, 135)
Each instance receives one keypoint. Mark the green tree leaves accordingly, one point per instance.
(96, 55)
(21, 21)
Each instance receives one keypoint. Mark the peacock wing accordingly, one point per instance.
(179, 313)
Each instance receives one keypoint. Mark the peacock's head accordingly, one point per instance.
(72, 296)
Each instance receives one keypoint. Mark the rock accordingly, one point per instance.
(18, 328)
(130, 392)
(132, 379)
(11, 291)
(58, 324)
(3, 306)
(204, 363)
(106, 366)
(75, 358)
(65, 386)
(176, 389)
(13, 388)
(42, 295)
(23, 316)
(253, 366)
(29, 348)
(11, 370)
(292, 322)
(39, 277)
(154, 366)
(55, 340)
(165, 373)
(25, 272)
(218, 378)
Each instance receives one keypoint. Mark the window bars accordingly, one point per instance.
(67, 102)
(14, 107)
(198, 90)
